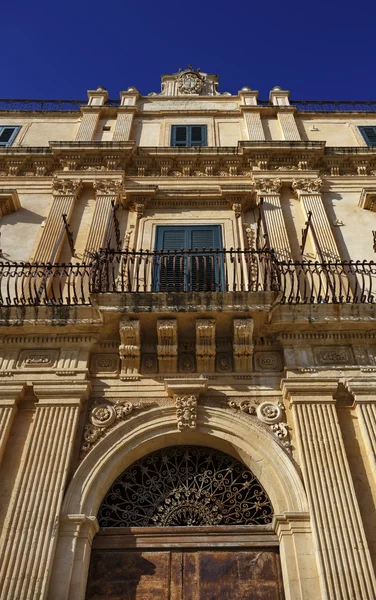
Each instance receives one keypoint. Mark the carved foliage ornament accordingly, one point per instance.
(268, 186)
(186, 412)
(102, 417)
(185, 486)
(66, 187)
(306, 186)
(107, 187)
(190, 82)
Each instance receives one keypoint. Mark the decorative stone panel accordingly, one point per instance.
(268, 361)
(104, 363)
(37, 359)
(333, 355)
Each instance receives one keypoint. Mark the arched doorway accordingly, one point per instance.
(185, 523)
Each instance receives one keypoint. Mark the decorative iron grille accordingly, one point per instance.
(185, 486)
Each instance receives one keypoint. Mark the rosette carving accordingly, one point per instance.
(103, 416)
(269, 414)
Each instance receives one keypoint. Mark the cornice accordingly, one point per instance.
(304, 389)
(45, 340)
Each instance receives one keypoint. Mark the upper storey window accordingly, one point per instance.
(188, 135)
(8, 134)
(369, 134)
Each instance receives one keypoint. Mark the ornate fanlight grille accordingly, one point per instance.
(185, 486)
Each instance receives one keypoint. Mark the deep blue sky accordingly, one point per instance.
(318, 50)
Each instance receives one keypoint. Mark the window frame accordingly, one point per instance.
(362, 130)
(189, 260)
(16, 129)
(189, 144)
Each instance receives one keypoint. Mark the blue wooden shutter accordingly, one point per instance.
(369, 134)
(179, 135)
(203, 270)
(188, 271)
(170, 269)
(8, 134)
(198, 135)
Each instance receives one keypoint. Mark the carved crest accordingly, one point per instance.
(190, 82)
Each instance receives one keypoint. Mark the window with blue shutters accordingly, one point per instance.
(369, 134)
(188, 258)
(8, 134)
(188, 135)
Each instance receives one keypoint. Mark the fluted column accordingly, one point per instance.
(268, 190)
(101, 227)
(344, 560)
(308, 193)
(364, 392)
(88, 125)
(9, 398)
(65, 192)
(30, 528)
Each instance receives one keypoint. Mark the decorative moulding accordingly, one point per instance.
(9, 202)
(367, 199)
(185, 386)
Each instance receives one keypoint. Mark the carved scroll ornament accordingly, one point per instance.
(268, 413)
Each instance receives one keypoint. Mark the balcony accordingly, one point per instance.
(207, 272)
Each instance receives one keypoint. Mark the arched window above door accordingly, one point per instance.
(185, 486)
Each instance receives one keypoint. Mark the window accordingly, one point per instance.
(188, 135)
(188, 258)
(8, 134)
(369, 134)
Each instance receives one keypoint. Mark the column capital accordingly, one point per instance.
(309, 390)
(267, 187)
(306, 187)
(108, 187)
(62, 394)
(66, 187)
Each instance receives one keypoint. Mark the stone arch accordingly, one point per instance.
(151, 430)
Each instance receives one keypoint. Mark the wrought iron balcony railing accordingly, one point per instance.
(191, 271)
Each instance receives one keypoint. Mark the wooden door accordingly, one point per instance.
(235, 568)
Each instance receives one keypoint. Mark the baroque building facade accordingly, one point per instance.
(187, 346)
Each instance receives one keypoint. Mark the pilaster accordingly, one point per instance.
(30, 529)
(9, 398)
(297, 561)
(364, 392)
(106, 192)
(308, 193)
(344, 561)
(65, 192)
(269, 191)
(254, 124)
(286, 118)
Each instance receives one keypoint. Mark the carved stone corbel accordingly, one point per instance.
(243, 345)
(130, 348)
(167, 349)
(205, 345)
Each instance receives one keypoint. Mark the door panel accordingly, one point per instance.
(185, 575)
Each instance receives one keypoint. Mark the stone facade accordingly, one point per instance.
(263, 347)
